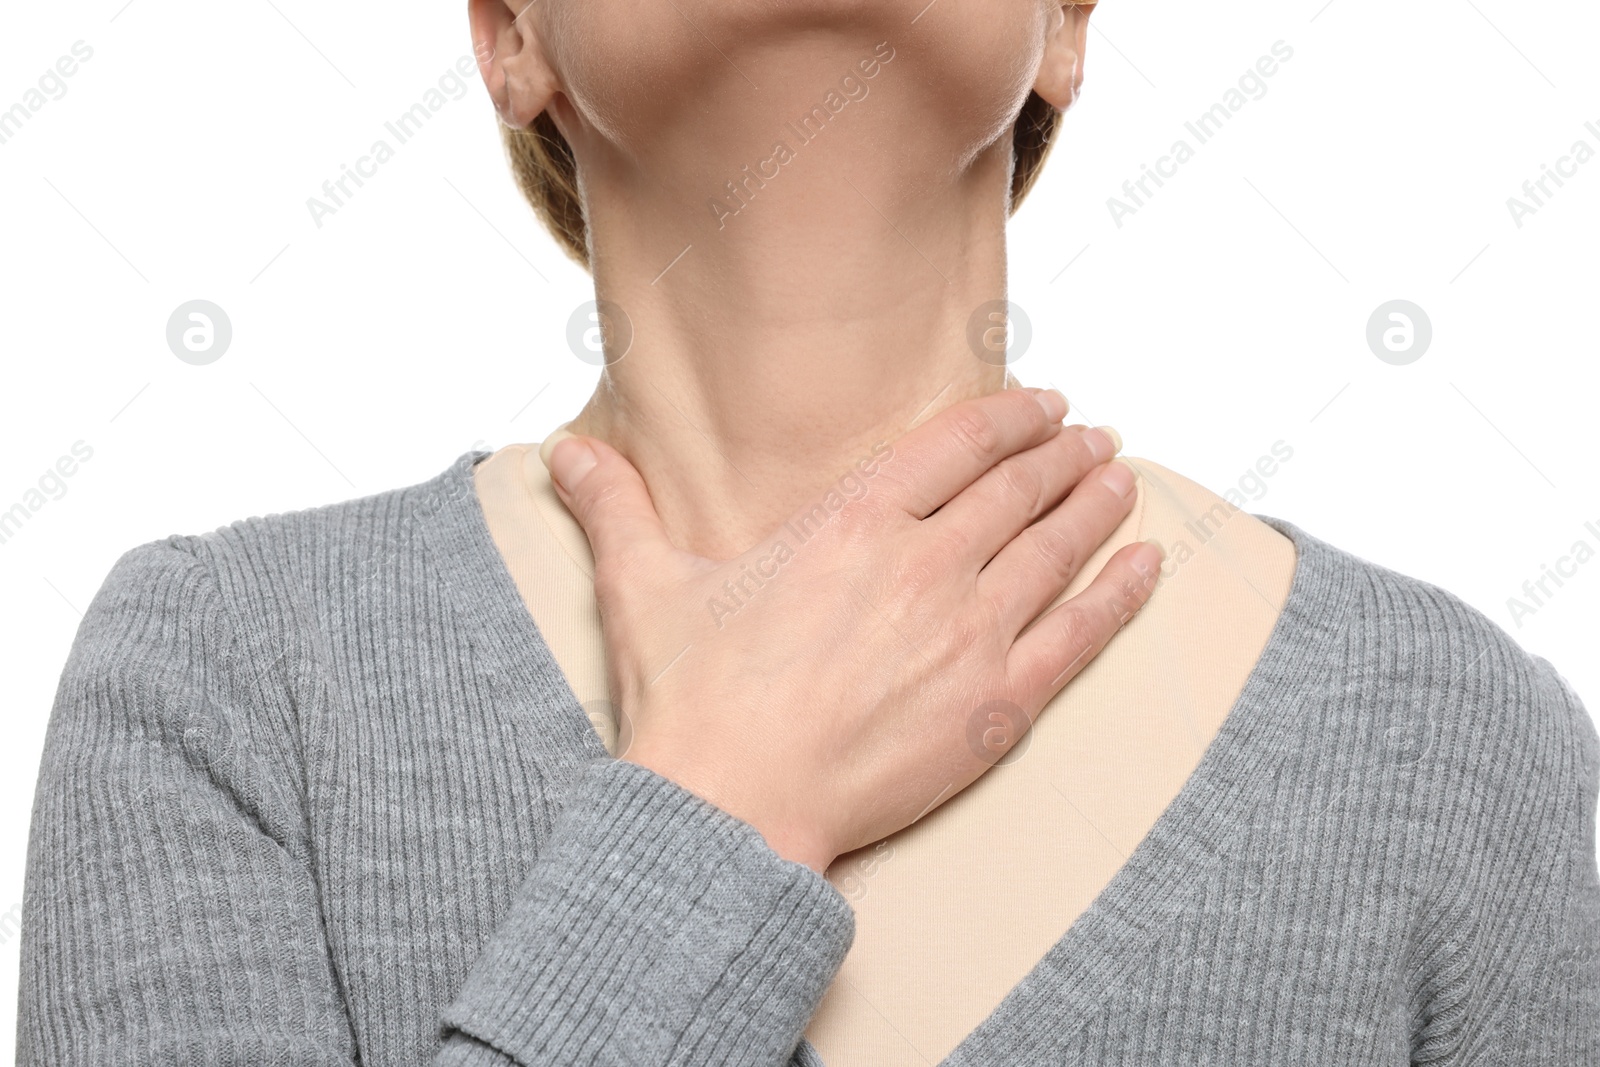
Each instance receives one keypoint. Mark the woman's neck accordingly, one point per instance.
(769, 350)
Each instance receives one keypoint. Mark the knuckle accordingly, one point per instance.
(978, 430)
(1021, 482)
(862, 523)
(972, 627)
(598, 496)
(950, 542)
(871, 510)
(916, 572)
(1076, 627)
(1056, 548)
(899, 491)
(966, 632)
(1029, 410)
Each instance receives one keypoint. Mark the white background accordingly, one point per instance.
(428, 315)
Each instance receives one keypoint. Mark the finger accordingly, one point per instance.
(1056, 648)
(1032, 570)
(950, 451)
(608, 498)
(987, 515)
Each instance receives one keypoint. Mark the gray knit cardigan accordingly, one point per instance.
(314, 792)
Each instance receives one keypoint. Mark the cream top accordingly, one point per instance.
(953, 911)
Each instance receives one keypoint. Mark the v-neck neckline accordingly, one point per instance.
(1179, 856)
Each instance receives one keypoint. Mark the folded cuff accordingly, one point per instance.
(655, 929)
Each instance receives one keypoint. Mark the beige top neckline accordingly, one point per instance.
(954, 910)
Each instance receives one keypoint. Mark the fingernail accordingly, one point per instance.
(1102, 445)
(557, 435)
(1054, 404)
(571, 461)
(1118, 477)
(1146, 559)
(1116, 438)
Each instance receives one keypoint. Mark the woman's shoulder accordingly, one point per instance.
(358, 529)
(1423, 683)
(274, 575)
(1414, 671)
(1421, 642)
(1415, 637)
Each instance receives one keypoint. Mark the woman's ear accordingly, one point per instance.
(1061, 71)
(515, 71)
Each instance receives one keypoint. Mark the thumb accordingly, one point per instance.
(605, 494)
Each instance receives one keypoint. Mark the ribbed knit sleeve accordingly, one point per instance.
(1510, 929)
(656, 929)
(172, 915)
(1554, 1016)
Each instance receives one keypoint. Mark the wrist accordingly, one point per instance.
(798, 845)
(797, 840)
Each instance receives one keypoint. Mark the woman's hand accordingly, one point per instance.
(874, 656)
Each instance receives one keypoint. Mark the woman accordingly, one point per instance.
(320, 788)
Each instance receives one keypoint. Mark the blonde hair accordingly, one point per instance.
(546, 172)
